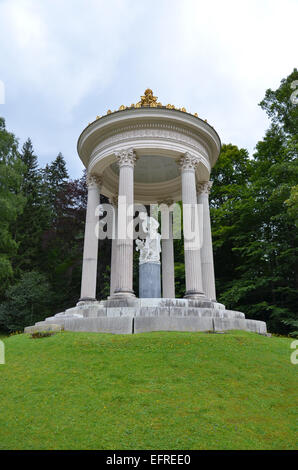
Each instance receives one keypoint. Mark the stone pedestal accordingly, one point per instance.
(149, 280)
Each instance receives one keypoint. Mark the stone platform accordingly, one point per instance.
(132, 315)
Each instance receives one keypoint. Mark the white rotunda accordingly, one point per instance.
(150, 154)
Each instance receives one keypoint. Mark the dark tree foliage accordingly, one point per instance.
(62, 241)
(253, 212)
(27, 301)
(11, 202)
(29, 226)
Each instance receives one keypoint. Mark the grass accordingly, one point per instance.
(148, 391)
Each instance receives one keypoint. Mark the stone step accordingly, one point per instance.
(128, 325)
(43, 326)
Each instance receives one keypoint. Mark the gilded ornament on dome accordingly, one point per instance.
(148, 99)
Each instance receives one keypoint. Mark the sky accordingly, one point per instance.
(63, 62)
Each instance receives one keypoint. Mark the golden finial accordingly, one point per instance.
(206, 120)
(148, 99)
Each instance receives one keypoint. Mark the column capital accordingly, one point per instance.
(166, 202)
(93, 180)
(126, 157)
(188, 162)
(203, 187)
(114, 201)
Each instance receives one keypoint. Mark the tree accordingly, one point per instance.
(255, 238)
(27, 302)
(55, 177)
(35, 218)
(279, 106)
(63, 242)
(11, 201)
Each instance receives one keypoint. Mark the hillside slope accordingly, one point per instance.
(148, 391)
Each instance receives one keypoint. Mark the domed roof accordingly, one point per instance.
(160, 135)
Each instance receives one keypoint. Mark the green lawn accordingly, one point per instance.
(148, 391)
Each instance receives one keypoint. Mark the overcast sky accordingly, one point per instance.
(65, 61)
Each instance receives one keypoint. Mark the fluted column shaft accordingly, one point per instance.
(193, 273)
(89, 269)
(208, 277)
(114, 249)
(124, 273)
(167, 253)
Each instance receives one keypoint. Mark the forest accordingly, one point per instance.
(254, 215)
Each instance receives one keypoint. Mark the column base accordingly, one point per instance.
(122, 293)
(84, 300)
(192, 294)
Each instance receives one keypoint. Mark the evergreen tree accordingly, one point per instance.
(34, 220)
(11, 201)
(55, 177)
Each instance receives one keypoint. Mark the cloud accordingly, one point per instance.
(63, 50)
(63, 63)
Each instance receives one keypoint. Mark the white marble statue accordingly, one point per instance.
(150, 247)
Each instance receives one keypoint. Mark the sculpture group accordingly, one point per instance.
(150, 247)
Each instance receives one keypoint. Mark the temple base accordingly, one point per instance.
(143, 315)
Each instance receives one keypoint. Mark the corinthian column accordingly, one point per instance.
(167, 251)
(193, 273)
(124, 273)
(114, 202)
(203, 189)
(89, 270)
